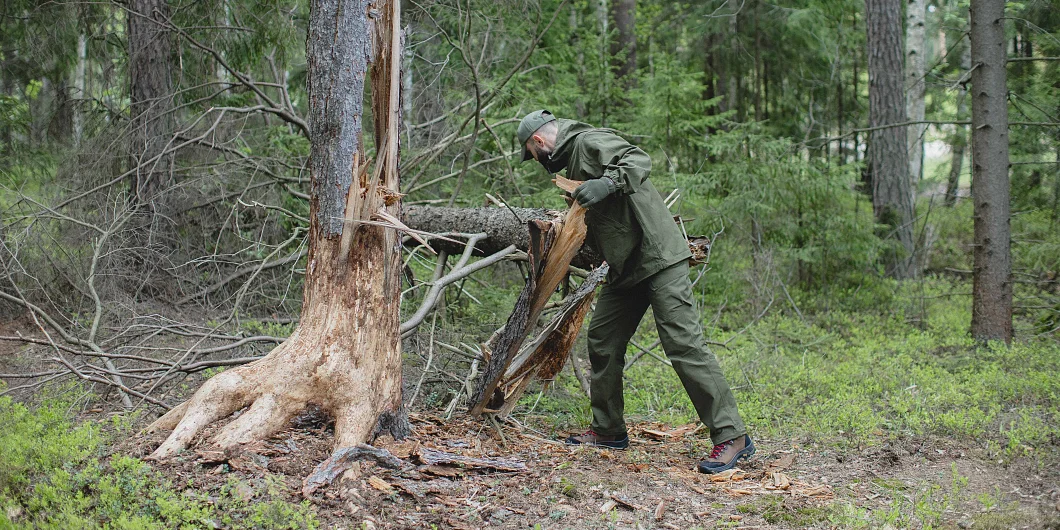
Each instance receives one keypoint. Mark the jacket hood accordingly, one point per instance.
(566, 137)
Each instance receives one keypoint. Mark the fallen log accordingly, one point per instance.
(434, 457)
(500, 225)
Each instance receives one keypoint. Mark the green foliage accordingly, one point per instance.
(769, 197)
(857, 378)
(55, 474)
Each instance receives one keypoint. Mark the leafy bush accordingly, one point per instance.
(55, 475)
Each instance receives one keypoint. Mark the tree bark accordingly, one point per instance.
(960, 136)
(992, 270)
(151, 92)
(345, 355)
(892, 198)
(915, 67)
(732, 90)
(79, 94)
(624, 48)
(500, 225)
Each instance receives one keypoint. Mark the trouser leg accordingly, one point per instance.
(617, 314)
(681, 332)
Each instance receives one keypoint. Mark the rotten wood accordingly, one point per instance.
(551, 248)
(434, 457)
(544, 356)
(343, 459)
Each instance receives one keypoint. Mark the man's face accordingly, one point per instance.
(540, 146)
(540, 152)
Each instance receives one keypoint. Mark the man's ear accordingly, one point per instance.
(538, 140)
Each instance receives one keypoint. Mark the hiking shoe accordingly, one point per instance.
(725, 455)
(590, 438)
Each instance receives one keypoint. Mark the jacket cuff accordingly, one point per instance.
(616, 178)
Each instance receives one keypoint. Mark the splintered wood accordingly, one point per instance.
(512, 364)
(771, 480)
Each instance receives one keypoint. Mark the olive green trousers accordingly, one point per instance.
(618, 313)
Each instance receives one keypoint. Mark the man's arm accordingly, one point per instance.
(623, 163)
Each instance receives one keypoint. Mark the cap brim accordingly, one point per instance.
(526, 154)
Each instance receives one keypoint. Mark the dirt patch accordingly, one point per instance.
(651, 485)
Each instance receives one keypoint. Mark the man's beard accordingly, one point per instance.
(552, 165)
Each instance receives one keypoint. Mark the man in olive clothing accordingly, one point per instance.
(630, 225)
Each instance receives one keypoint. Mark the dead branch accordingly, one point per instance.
(255, 268)
(460, 270)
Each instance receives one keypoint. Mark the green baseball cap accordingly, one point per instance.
(530, 124)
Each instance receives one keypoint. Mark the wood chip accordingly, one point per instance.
(211, 457)
(729, 475)
(608, 506)
(380, 484)
(738, 491)
(624, 501)
(659, 510)
(780, 481)
(656, 434)
(782, 463)
(442, 471)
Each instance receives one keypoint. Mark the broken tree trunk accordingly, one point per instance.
(543, 357)
(552, 246)
(502, 227)
(345, 354)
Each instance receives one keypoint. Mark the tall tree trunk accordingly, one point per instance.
(732, 89)
(624, 47)
(79, 94)
(915, 67)
(892, 199)
(151, 92)
(960, 136)
(758, 65)
(856, 92)
(991, 276)
(576, 43)
(345, 355)
(603, 84)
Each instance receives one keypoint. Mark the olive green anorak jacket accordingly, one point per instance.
(632, 228)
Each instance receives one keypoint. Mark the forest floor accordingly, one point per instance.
(861, 421)
(918, 482)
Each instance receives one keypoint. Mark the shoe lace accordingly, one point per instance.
(718, 449)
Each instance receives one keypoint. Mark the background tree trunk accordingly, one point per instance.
(960, 136)
(624, 47)
(892, 199)
(915, 67)
(151, 92)
(79, 94)
(991, 276)
(345, 355)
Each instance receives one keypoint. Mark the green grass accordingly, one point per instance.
(857, 378)
(55, 474)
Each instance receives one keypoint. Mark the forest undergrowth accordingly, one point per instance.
(840, 386)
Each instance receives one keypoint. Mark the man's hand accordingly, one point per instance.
(594, 191)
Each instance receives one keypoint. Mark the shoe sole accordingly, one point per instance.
(744, 454)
